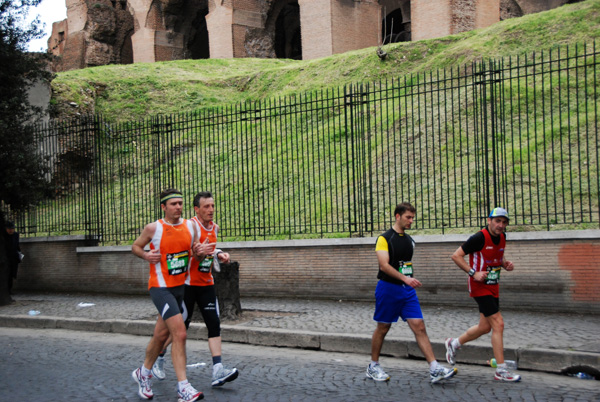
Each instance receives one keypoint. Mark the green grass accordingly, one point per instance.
(132, 92)
(293, 188)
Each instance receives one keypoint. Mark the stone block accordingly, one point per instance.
(557, 361)
(282, 338)
(345, 343)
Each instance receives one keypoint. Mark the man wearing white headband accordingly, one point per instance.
(173, 241)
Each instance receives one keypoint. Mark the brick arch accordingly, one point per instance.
(395, 24)
(283, 25)
(198, 44)
(126, 53)
(510, 9)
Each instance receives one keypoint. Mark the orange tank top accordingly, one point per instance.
(200, 273)
(174, 242)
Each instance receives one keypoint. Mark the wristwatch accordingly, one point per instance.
(471, 272)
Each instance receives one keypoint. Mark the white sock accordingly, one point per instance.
(373, 363)
(145, 371)
(216, 367)
(181, 384)
(455, 343)
(433, 365)
(501, 366)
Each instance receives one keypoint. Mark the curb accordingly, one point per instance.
(546, 360)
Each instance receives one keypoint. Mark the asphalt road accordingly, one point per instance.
(59, 365)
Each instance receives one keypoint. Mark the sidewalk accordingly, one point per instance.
(537, 341)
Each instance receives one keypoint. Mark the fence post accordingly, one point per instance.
(492, 158)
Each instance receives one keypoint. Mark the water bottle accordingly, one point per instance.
(584, 376)
(510, 364)
(34, 312)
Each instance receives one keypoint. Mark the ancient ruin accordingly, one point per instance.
(100, 32)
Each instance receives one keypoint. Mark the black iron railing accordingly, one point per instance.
(521, 133)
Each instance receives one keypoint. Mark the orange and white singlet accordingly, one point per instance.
(174, 242)
(200, 273)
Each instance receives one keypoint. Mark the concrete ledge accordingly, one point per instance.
(394, 347)
(282, 338)
(556, 361)
(26, 321)
(547, 360)
(197, 332)
(133, 327)
(104, 249)
(46, 239)
(77, 324)
(345, 343)
(422, 239)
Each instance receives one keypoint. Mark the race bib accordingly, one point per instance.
(206, 264)
(493, 275)
(177, 263)
(406, 269)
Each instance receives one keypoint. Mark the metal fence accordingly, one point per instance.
(521, 133)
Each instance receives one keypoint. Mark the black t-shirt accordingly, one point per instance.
(476, 242)
(401, 248)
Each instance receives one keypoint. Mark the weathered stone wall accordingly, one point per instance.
(535, 6)
(509, 9)
(464, 15)
(99, 32)
(554, 271)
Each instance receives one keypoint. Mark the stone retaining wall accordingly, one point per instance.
(554, 271)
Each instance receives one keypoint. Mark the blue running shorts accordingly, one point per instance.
(393, 301)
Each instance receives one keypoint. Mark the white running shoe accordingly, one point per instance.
(505, 375)
(223, 375)
(376, 373)
(442, 373)
(189, 394)
(158, 370)
(450, 352)
(144, 384)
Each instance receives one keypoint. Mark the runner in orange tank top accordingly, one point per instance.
(200, 289)
(173, 241)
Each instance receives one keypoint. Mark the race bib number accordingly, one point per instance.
(177, 263)
(406, 269)
(493, 275)
(206, 264)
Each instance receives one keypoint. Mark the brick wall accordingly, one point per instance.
(463, 15)
(220, 31)
(554, 271)
(488, 13)
(438, 18)
(315, 20)
(349, 19)
(430, 18)
(74, 54)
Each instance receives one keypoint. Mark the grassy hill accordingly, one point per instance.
(298, 168)
(132, 92)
